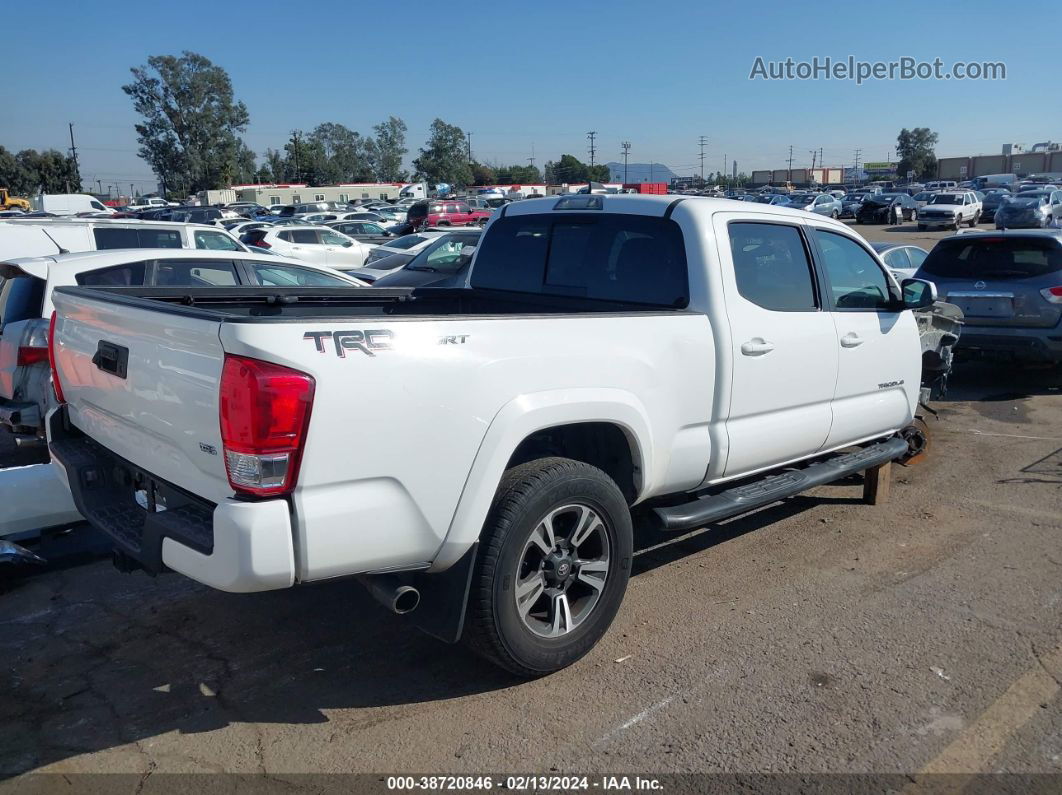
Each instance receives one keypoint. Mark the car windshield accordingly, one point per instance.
(407, 241)
(1025, 201)
(946, 198)
(924, 196)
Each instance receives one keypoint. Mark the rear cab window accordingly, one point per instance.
(606, 256)
(131, 275)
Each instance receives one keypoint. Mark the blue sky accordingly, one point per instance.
(523, 75)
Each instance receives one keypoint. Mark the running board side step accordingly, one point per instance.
(788, 483)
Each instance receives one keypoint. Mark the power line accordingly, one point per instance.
(626, 151)
(73, 153)
(592, 135)
(790, 177)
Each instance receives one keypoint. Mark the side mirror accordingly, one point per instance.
(347, 244)
(918, 293)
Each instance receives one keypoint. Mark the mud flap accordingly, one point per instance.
(444, 598)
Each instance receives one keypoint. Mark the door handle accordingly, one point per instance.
(757, 346)
(851, 340)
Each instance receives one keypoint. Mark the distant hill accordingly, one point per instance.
(641, 172)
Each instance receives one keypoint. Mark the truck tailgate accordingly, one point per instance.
(145, 385)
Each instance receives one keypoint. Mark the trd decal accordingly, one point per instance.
(366, 341)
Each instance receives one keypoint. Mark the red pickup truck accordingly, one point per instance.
(445, 212)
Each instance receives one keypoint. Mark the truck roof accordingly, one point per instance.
(652, 205)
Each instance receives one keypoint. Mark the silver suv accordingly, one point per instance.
(1008, 285)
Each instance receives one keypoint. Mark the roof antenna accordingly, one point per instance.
(61, 249)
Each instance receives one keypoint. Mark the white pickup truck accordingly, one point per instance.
(689, 359)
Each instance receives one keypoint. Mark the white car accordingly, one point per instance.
(238, 230)
(407, 244)
(676, 355)
(310, 243)
(31, 237)
(151, 203)
(950, 209)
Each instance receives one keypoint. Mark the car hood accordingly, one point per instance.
(945, 207)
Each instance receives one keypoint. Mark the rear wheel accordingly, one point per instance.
(835, 215)
(553, 565)
(973, 221)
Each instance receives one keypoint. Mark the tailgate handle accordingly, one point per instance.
(111, 358)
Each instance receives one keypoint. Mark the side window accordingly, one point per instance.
(306, 236)
(215, 241)
(131, 275)
(286, 236)
(159, 238)
(330, 238)
(95, 205)
(897, 258)
(917, 257)
(108, 238)
(288, 276)
(855, 279)
(195, 273)
(771, 267)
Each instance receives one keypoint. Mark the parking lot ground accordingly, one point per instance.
(819, 634)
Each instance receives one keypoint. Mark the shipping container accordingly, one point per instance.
(1055, 162)
(646, 187)
(760, 177)
(780, 175)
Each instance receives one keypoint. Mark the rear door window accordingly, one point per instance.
(130, 275)
(125, 237)
(195, 273)
(305, 236)
(21, 298)
(994, 258)
(291, 276)
(628, 258)
(771, 267)
(897, 258)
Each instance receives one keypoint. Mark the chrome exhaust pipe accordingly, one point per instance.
(392, 593)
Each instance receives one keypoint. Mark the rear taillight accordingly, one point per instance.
(28, 355)
(51, 361)
(265, 413)
(262, 244)
(1052, 294)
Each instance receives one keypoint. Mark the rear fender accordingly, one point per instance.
(519, 419)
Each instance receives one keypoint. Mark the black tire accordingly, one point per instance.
(527, 494)
(974, 220)
(835, 215)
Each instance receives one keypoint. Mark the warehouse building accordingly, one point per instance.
(268, 195)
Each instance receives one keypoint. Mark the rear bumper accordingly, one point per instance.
(232, 546)
(1021, 344)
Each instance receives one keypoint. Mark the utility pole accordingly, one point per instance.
(73, 154)
(470, 148)
(593, 151)
(531, 159)
(99, 184)
(130, 192)
(702, 142)
(790, 177)
(295, 149)
(626, 152)
(858, 154)
(814, 155)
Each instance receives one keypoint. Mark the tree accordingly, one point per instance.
(483, 175)
(30, 171)
(443, 157)
(570, 169)
(518, 175)
(389, 149)
(343, 155)
(915, 149)
(191, 120)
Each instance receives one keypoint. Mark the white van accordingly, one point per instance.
(40, 237)
(68, 203)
